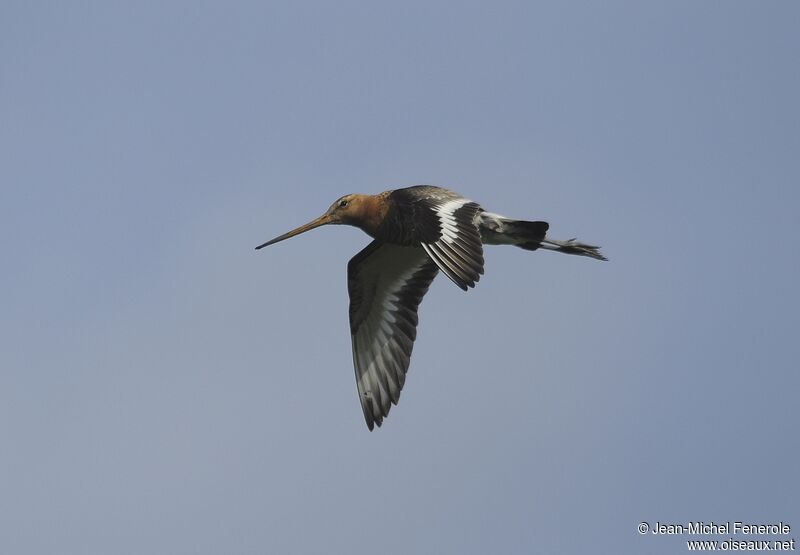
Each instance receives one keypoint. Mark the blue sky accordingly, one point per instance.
(167, 389)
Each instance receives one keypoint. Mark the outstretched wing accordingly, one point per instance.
(458, 252)
(444, 224)
(386, 283)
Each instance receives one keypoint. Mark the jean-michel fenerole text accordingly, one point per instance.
(701, 528)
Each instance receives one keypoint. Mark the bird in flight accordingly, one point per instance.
(417, 232)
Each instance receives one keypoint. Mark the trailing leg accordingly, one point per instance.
(572, 246)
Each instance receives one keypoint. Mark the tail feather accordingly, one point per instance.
(499, 230)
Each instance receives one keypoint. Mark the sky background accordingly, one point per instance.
(166, 389)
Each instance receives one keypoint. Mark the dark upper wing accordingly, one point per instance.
(386, 284)
(444, 224)
(458, 252)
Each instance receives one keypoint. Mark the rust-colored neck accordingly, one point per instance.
(369, 212)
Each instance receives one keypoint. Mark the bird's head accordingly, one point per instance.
(353, 209)
(349, 209)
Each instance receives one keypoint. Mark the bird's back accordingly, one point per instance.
(413, 216)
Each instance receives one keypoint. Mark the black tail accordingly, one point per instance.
(499, 230)
(529, 235)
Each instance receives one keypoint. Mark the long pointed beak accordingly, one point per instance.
(322, 220)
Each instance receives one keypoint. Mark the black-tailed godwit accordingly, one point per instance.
(417, 231)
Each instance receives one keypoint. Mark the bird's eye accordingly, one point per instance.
(343, 203)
